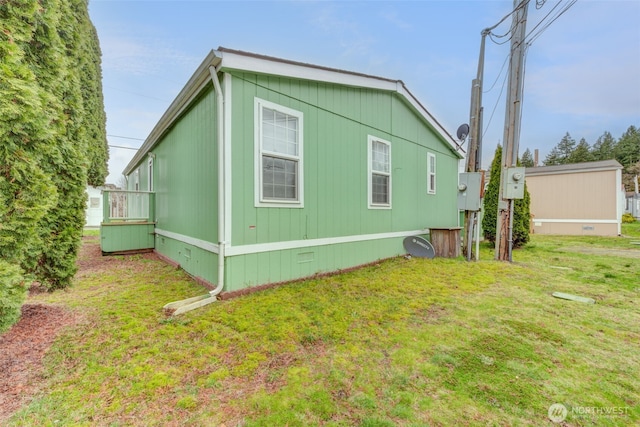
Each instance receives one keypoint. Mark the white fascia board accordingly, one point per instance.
(234, 61)
(418, 107)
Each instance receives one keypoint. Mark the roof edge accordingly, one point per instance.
(191, 89)
(602, 165)
(230, 59)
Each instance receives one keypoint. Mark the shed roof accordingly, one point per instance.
(602, 165)
(229, 59)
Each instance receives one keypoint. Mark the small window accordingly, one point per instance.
(279, 171)
(94, 202)
(431, 173)
(136, 181)
(379, 180)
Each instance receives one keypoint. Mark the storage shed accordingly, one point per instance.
(93, 210)
(574, 199)
(266, 170)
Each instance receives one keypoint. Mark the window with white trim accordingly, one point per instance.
(379, 173)
(278, 155)
(431, 173)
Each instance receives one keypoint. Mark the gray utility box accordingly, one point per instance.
(513, 183)
(469, 191)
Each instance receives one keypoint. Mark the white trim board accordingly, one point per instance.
(279, 246)
(198, 243)
(578, 221)
(299, 244)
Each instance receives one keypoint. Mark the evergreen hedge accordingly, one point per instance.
(52, 122)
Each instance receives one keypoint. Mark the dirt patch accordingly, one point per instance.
(25, 345)
(23, 349)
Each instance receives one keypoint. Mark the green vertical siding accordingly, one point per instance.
(337, 121)
(196, 261)
(185, 171)
(121, 237)
(285, 265)
(186, 168)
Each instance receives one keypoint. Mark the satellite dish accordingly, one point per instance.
(463, 131)
(418, 247)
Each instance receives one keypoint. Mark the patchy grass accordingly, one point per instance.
(407, 342)
(631, 229)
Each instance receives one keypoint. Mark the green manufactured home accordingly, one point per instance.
(265, 170)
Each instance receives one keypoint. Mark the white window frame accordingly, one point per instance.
(260, 200)
(136, 180)
(431, 173)
(370, 172)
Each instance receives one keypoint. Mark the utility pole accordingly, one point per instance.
(504, 226)
(474, 153)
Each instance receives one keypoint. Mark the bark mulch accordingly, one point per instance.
(22, 349)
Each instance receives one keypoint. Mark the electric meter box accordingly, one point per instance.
(513, 183)
(469, 191)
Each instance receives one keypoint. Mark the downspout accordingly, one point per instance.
(221, 181)
(179, 307)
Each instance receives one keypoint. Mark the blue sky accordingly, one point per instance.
(582, 72)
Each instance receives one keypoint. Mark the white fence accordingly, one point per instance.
(128, 205)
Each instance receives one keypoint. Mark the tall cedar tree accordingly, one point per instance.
(521, 207)
(27, 191)
(56, 47)
(51, 123)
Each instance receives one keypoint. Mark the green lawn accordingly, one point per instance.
(406, 342)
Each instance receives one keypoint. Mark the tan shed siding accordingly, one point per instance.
(584, 228)
(586, 195)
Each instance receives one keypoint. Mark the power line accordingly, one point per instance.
(551, 21)
(120, 146)
(126, 137)
(509, 33)
(486, 128)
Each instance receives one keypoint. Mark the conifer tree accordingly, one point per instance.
(627, 150)
(581, 153)
(521, 207)
(490, 209)
(26, 189)
(560, 154)
(51, 123)
(527, 159)
(604, 147)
